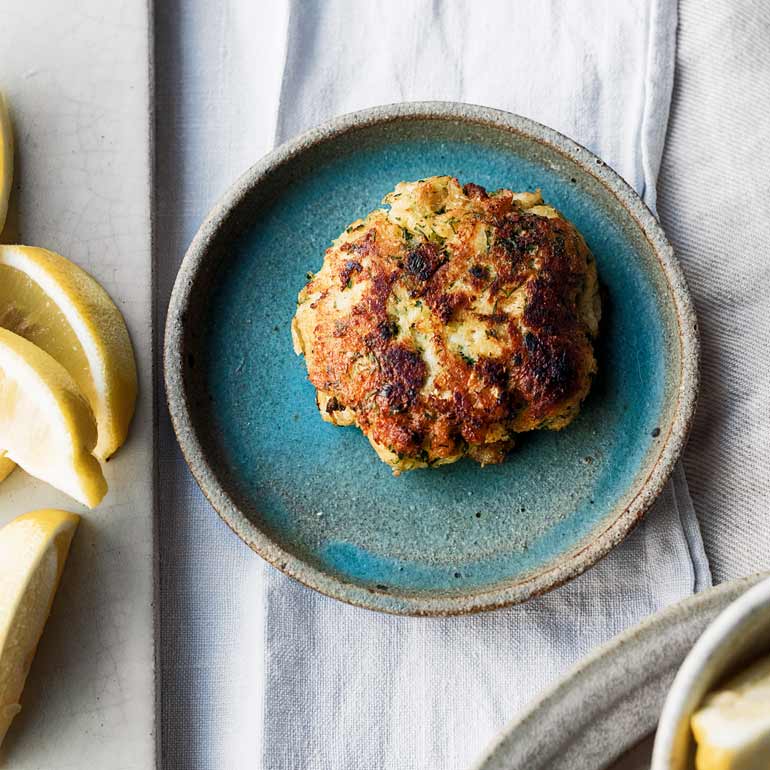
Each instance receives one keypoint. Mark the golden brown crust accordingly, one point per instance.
(452, 322)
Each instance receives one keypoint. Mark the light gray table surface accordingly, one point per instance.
(78, 89)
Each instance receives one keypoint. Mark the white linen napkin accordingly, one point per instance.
(284, 678)
(347, 688)
(717, 140)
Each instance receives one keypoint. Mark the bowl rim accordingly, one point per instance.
(689, 686)
(621, 656)
(572, 564)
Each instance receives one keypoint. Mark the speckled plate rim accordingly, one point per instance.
(572, 564)
(604, 681)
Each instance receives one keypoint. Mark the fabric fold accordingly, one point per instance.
(258, 671)
(347, 688)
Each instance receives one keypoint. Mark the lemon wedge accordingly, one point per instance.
(33, 549)
(6, 180)
(6, 466)
(6, 160)
(52, 302)
(732, 728)
(46, 425)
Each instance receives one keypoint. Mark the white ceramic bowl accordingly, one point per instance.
(737, 637)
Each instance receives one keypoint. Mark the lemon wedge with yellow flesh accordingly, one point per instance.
(6, 180)
(52, 302)
(46, 425)
(33, 549)
(6, 160)
(732, 728)
(6, 466)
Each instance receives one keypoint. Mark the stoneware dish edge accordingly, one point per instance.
(640, 662)
(725, 643)
(579, 561)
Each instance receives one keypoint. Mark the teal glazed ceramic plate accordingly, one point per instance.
(313, 499)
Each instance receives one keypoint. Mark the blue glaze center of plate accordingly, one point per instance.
(321, 492)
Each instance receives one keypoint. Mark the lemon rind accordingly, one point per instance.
(6, 159)
(31, 367)
(48, 533)
(100, 329)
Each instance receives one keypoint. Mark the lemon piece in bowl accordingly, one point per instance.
(33, 549)
(732, 728)
(6, 160)
(46, 424)
(52, 302)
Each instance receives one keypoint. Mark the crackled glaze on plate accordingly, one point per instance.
(313, 498)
